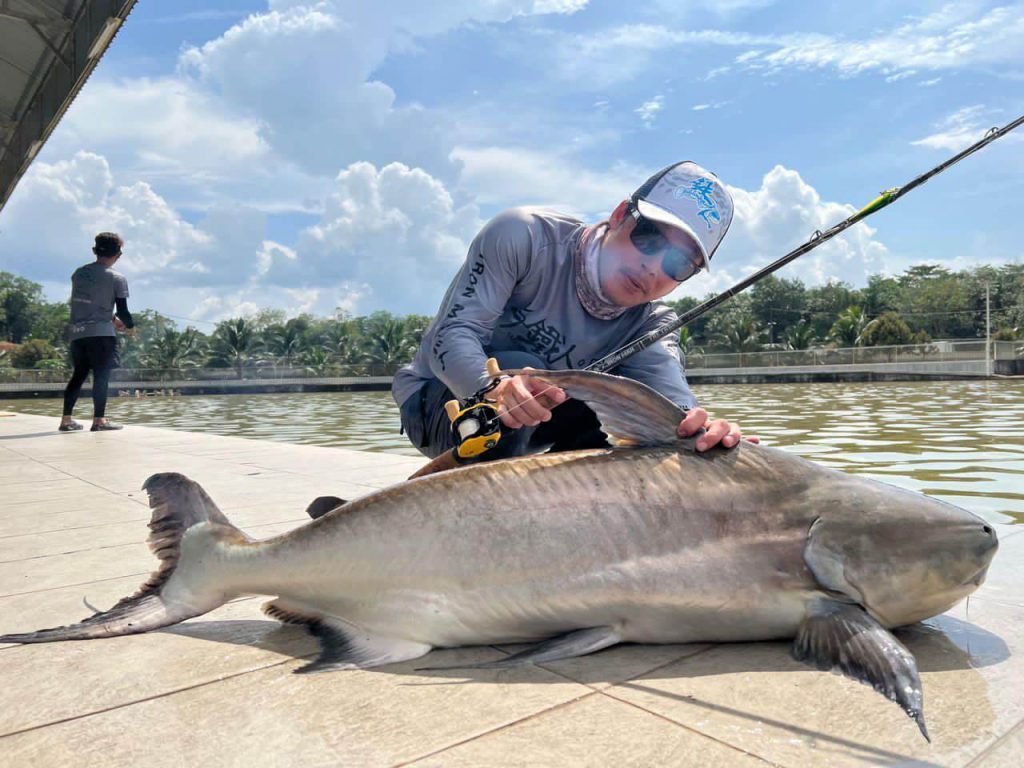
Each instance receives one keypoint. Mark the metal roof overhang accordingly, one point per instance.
(48, 49)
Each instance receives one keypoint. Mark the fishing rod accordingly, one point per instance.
(476, 423)
(888, 197)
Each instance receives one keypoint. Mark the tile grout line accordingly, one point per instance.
(154, 697)
(978, 759)
(76, 584)
(68, 474)
(686, 656)
(503, 726)
(124, 543)
(227, 512)
(12, 646)
(593, 692)
(688, 728)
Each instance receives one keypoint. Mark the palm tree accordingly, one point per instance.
(234, 343)
(316, 360)
(387, 341)
(288, 341)
(687, 345)
(170, 348)
(341, 339)
(742, 335)
(800, 336)
(848, 329)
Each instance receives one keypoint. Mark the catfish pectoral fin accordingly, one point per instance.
(843, 637)
(578, 643)
(344, 645)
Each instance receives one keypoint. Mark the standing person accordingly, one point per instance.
(97, 291)
(542, 289)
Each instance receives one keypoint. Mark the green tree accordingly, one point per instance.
(778, 303)
(317, 360)
(687, 344)
(848, 329)
(698, 328)
(341, 336)
(235, 343)
(1007, 334)
(33, 352)
(19, 307)
(800, 336)
(288, 341)
(171, 348)
(826, 302)
(882, 294)
(889, 329)
(938, 302)
(742, 335)
(386, 340)
(723, 320)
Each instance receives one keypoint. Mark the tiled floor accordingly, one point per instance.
(217, 690)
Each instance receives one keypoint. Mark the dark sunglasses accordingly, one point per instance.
(678, 264)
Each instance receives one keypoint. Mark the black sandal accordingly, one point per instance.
(71, 426)
(108, 427)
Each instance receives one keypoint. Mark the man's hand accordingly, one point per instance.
(717, 431)
(122, 328)
(525, 402)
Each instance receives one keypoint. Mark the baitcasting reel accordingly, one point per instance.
(476, 427)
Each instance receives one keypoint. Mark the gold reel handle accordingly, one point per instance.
(452, 409)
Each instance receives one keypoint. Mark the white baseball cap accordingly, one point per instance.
(691, 199)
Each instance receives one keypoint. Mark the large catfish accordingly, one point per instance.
(647, 542)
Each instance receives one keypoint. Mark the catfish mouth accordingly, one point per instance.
(977, 579)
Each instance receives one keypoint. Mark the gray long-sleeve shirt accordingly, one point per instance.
(517, 291)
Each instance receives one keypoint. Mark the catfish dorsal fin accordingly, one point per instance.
(629, 410)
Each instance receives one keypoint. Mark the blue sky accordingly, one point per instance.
(311, 155)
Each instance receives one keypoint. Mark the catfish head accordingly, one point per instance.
(904, 557)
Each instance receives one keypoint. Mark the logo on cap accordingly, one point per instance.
(699, 190)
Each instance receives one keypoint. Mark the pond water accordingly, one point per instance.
(962, 441)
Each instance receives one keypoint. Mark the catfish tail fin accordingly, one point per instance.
(189, 534)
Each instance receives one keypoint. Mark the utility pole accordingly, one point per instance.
(988, 334)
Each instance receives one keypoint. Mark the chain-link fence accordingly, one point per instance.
(933, 352)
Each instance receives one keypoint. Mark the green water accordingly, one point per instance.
(958, 441)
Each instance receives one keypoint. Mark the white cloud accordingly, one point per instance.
(305, 72)
(955, 37)
(509, 176)
(161, 247)
(958, 130)
(183, 139)
(650, 109)
(305, 299)
(716, 105)
(389, 238)
(773, 220)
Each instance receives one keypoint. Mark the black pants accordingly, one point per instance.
(573, 425)
(99, 355)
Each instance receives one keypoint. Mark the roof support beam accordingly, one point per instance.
(49, 44)
(77, 44)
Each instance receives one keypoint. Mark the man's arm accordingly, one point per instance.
(122, 313)
(121, 303)
(660, 366)
(498, 258)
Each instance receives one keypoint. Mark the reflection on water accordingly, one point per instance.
(961, 441)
